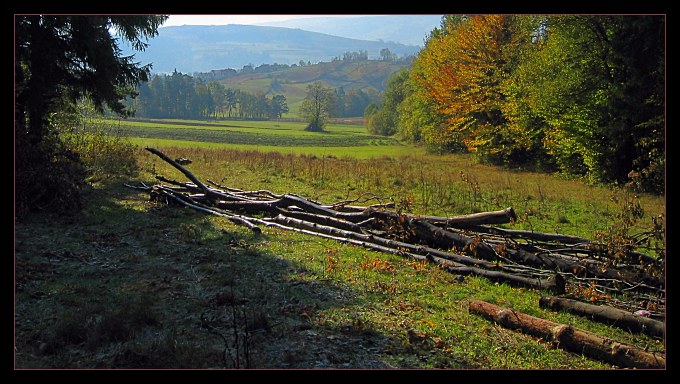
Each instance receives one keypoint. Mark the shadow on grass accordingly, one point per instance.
(128, 283)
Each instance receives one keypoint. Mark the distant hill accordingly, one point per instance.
(404, 29)
(193, 48)
(368, 76)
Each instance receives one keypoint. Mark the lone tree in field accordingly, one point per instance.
(60, 60)
(317, 106)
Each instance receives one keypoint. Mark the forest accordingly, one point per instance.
(182, 96)
(579, 95)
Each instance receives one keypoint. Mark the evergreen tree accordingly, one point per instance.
(58, 61)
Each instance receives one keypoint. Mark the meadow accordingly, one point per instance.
(284, 137)
(197, 291)
(346, 160)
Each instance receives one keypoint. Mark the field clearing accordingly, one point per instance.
(339, 140)
(295, 92)
(347, 159)
(366, 152)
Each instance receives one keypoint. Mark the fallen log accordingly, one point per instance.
(503, 216)
(323, 220)
(422, 250)
(530, 235)
(448, 239)
(571, 338)
(605, 314)
(586, 244)
(180, 168)
(554, 283)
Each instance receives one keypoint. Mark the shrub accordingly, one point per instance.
(48, 176)
(103, 150)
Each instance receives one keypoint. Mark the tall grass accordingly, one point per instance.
(101, 144)
(427, 184)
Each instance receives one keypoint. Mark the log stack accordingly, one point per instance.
(465, 245)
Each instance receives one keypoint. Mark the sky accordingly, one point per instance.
(234, 19)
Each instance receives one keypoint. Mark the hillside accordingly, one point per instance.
(192, 48)
(404, 29)
(368, 76)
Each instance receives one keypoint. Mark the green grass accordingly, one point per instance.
(287, 137)
(131, 283)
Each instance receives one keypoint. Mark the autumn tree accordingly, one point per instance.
(317, 106)
(465, 70)
(419, 118)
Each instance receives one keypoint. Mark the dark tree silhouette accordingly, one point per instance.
(59, 60)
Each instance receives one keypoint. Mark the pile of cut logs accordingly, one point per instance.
(465, 245)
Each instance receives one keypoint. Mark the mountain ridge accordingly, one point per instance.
(401, 28)
(197, 48)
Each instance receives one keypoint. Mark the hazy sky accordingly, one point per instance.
(233, 19)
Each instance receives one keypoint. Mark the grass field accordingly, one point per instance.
(132, 283)
(339, 140)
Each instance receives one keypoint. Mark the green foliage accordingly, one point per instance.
(598, 83)
(181, 96)
(48, 176)
(380, 123)
(102, 147)
(384, 120)
(58, 61)
(317, 107)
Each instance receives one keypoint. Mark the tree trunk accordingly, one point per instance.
(503, 216)
(570, 338)
(555, 284)
(605, 314)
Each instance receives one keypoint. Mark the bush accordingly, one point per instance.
(48, 176)
(103, 150)
(78, 148)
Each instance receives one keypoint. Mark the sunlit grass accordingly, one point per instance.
(424, 184)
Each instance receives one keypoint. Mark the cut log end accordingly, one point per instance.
(556, 284)
(561, 332)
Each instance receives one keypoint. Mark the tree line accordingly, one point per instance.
(582, 95)
(184, 97)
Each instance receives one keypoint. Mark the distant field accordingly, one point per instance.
(368, 75)
(285, 137)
